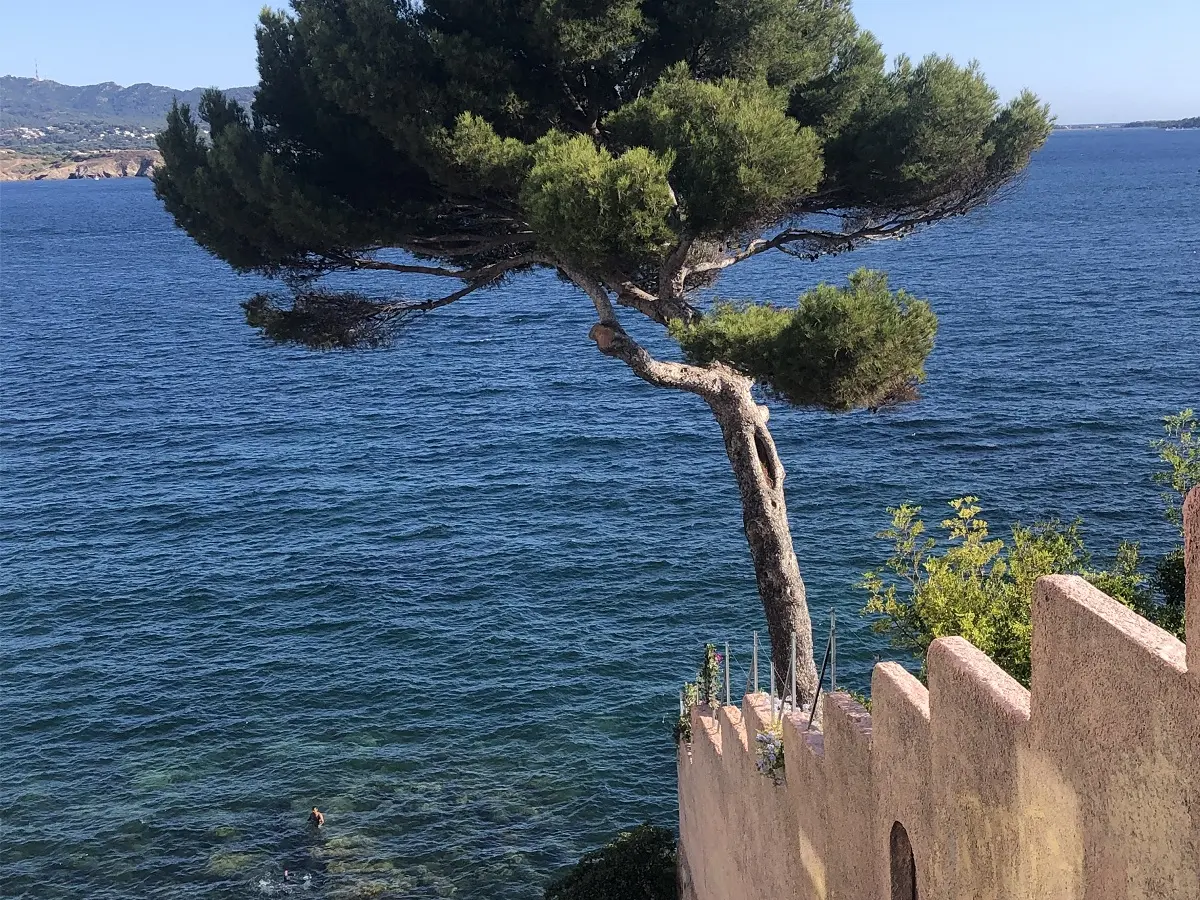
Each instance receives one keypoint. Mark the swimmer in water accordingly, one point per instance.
(316, 817)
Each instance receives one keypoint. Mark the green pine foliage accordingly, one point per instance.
(599, 135)
(730, 133)
(933, 131)
(471, 153)
(638, 864)
(595, 208)
(838, 349)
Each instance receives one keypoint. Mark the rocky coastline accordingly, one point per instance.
(93, 164)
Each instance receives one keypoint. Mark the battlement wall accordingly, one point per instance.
(1086, 787)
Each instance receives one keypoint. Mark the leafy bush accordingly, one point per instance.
(978, 586)
(1164, 604)
(683, 725)
(981, 587)
(860, 698)
(637, 865)
(1180, 452)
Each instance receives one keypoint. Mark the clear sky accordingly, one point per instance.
(1094, 60)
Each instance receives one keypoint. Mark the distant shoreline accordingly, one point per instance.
(94, 164)
(36, 165)
(1162, 125)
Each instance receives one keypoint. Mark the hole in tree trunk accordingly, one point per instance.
(766, 459)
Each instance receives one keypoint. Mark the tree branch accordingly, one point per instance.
(596, 292)
(478, 273)
(382, 266)
(671, 274)
(322, 319)
(812, 243)
(633, 297)
(387, 311)
(468, 244)
(660, 309)
(612, 340)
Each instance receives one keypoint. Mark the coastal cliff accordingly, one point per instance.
(16, 166)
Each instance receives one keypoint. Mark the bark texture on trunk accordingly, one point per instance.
(757, 470)
(759, 475)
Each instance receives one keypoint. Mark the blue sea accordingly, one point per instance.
(448, 590)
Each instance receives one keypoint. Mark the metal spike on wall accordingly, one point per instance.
(795, 708)
(728, 698)
(832, 650)
(772, 692)
(754, 662)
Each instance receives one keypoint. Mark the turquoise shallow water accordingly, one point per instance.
(448, 590)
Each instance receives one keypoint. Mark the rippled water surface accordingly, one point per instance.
(448, 590)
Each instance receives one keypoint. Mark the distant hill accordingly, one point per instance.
(47, 116)
(1193, 122)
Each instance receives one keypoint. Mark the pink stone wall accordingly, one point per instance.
(1191, 543)
(1087, 787)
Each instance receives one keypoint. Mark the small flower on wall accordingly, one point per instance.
(769, 750)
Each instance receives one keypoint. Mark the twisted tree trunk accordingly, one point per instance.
(759, 475)
(756, 468)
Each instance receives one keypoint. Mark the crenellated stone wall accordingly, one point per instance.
(1086, 787)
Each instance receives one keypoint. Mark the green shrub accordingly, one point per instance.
(1179, 451)
(979, 586)
(861, 699)
(1164, 604)
(637, 865)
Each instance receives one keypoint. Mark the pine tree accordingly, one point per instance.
(639, 148)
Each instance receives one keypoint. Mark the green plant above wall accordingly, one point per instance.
(705, 689)
(978, 585)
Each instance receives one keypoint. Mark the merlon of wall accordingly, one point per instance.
(1086, 787)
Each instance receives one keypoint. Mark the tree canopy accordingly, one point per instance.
(638, 148)
(643, 145)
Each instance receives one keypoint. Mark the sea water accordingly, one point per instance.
(448, 591)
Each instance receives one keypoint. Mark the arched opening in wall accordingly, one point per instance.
(904, 866)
